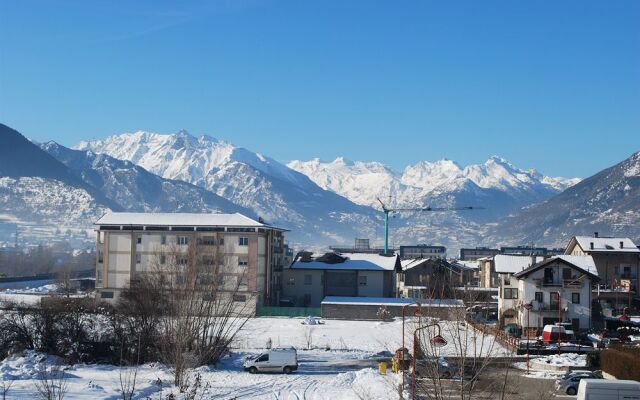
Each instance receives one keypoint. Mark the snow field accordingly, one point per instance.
(339, 365)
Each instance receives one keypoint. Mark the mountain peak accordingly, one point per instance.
(342, 161)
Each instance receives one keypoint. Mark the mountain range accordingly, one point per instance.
(496, 185)
(321, 203)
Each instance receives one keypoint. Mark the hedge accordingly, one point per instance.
(623, 363)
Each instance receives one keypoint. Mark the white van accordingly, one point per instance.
(602, 389)
(275, 360)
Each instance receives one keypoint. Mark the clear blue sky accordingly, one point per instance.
(548, 84)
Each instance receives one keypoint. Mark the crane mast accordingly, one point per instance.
(388, 210)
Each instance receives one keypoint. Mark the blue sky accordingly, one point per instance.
(548, 84)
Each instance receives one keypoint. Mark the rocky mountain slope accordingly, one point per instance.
(607, 202)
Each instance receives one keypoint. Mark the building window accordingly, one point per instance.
(291, 281)
(509, 293)
(100, 256)
(575, 298)
(507, 280)
(566, 273)
(240, 298)
(308, 280)
(163, 239)
(163, 259)
(106, 295)
(183, 261)
(221, 241)
(243, 282)
(243, 241)
(138, 258)
(139, 239)
(362, 280)
(538, 297)
(208, 240)
(243, 262)
(183, 240)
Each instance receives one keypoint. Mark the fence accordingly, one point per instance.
(287, 311)
(502, 337)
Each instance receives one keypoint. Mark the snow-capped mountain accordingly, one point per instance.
(40, 195)
(607, 202)
(135, 189)
(496, 182)
(272, 190)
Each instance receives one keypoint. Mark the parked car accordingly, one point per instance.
(275, 360)
(602, 389)
(569, 382)
(427, 368)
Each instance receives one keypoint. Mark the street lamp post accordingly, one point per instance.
(527, 306)
(559, 318)
(403, 348)
(436, 341)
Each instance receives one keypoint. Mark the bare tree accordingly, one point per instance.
(5, 386)
(64, 282)
(206, 301)
(52, 383)
(470, 353)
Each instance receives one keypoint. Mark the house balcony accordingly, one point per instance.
(565, 283)
(545, 307)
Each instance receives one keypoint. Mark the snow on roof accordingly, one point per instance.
(177, 219)
(390, 301)
(602, 244)
(510, 264)
(468, 264)
(354, 261)
(585, 263)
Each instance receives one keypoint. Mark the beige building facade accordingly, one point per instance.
(247, 254)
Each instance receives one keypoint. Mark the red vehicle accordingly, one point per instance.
(555, 333)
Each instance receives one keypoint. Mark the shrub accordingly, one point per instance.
(623, 363)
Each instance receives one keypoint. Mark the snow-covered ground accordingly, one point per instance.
(27, 295)
(339, 365)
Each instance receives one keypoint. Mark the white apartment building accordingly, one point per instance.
(250, 251)
(558, 289)
(508, 293)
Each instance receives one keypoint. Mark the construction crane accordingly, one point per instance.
(388, 210)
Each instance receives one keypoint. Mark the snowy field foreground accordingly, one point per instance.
(339, 365)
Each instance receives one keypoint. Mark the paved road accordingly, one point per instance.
(489, 387)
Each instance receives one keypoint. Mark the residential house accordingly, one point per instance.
(508, 295)
(617, 260)
(311, 278)
(434, 277)
(558, 289)
(248, 252)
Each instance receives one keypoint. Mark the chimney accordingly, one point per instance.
(591, 245)
(621, 244)
(595, 234)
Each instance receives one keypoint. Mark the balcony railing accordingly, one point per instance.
(565, 283)
(546, 307)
